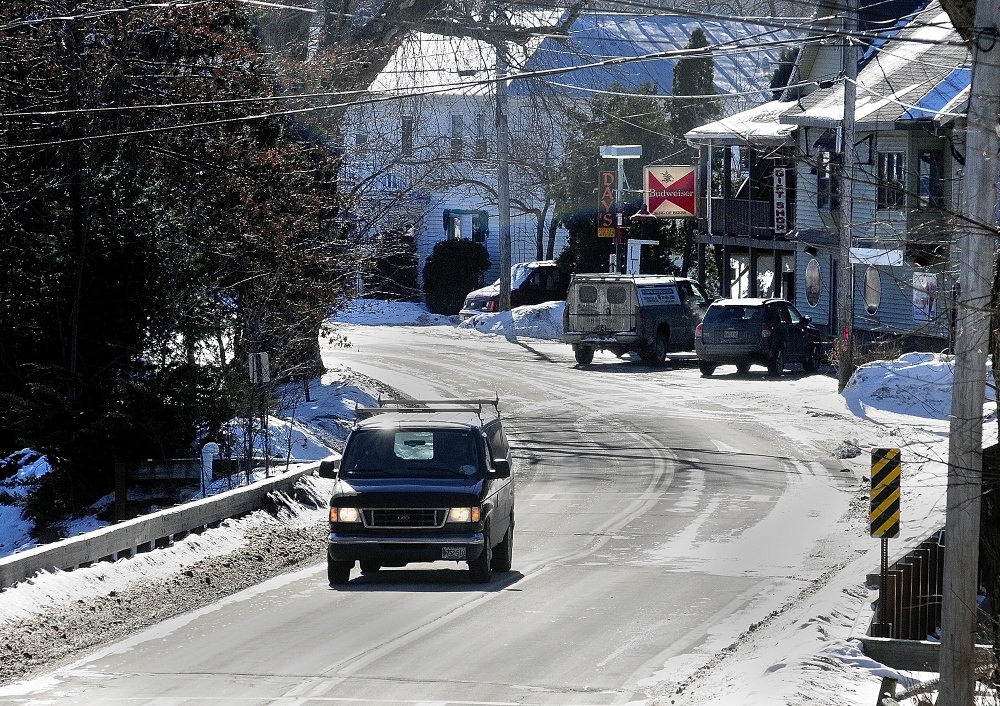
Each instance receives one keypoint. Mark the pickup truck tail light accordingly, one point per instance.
(765, 331)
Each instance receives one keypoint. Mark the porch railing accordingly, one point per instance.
(739, 217)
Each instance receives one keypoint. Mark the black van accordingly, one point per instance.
(423, 480)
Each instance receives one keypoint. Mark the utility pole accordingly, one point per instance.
(503, 174)
(845, 273)
(976, 250)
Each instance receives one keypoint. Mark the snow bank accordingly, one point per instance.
(375, 312)
(543, 321)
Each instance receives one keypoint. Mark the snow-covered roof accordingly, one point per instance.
(759, 125)
(456, 65)
(743, 65)
(913, 76)
(460, 65)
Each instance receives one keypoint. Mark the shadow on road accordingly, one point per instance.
(407, 580)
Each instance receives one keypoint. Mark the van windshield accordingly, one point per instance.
(410, 453)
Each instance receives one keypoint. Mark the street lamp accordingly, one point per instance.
(621, 153)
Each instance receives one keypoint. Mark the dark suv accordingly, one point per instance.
(768, 332)
(423, 480)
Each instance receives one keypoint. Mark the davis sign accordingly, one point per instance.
(670, 191)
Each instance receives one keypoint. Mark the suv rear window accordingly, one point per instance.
(732, 315)
(379, 453)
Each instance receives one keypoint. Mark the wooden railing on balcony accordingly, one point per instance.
(739, 217)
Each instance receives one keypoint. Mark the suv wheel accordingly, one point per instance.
(706, 368)
(370, 567)
(480, 567)
(503, 556)
(743, 367)
(777, 364)
(338, 572)
(584, 355)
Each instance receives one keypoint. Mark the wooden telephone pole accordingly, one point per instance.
(845, 273)
(976, 248)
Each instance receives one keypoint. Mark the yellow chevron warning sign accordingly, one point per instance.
(886, 474)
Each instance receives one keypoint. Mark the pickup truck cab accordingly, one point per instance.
(423, 480)
(651, 314)
(530, 283)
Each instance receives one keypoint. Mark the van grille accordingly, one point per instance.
(392, 517)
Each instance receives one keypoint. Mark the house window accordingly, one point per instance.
(827, 182)
(361, 142)
(457, 134)
(406, 136)
(891, 180)
(930, 186)
(482, 144)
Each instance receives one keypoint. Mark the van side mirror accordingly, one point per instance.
(328, 469)
(501, 468)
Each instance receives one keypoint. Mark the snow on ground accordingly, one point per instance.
(801, 651)
(302, 431)
(539, 321)
(808, 653)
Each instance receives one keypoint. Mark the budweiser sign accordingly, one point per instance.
(670, 191)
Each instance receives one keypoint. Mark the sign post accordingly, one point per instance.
(620, 153)
(884, 519)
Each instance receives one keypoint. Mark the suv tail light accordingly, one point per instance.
(565, 318)
(765, 331)
(638, 320)
(697, 330)
(491, 305)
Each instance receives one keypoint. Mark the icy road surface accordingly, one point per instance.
(659, 517)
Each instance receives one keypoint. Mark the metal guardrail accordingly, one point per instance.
(147, 532)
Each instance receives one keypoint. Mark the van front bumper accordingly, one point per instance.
(395, 549)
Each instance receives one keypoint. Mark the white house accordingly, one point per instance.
(424, 148)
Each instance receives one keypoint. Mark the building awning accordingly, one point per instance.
(757, 126)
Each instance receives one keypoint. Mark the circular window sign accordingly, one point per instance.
(814, 282)
(873, 290)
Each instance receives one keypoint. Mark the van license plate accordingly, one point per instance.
(732, 334)
(456, 553)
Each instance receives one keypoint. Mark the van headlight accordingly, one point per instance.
(345, 514)
(464, 514)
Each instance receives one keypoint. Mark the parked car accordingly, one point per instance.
(768, 332)
(423, 480)
(651, 314)
(530, 283)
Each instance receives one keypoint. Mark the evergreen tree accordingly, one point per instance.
(694, 76)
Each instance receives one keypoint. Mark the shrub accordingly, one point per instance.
(453, 269)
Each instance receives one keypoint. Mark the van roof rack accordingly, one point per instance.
(429, 406)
